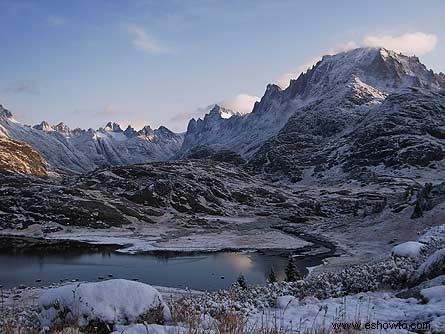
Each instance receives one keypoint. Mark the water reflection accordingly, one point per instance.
(242, 263)
(208, 271)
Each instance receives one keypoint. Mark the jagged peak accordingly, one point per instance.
(383, 69)
(163, 131)
(146, 131)
(61, 127)
(216, 109)
(43, 126)
(130, 132)
(113, 126)
(273, 88)
(5, 112)
(220, 112)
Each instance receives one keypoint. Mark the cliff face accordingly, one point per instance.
(18, 157)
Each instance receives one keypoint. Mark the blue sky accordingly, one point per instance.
(162, 62)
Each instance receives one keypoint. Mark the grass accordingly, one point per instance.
(227, 320)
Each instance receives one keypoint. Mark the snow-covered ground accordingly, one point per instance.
(170, 238)
(403, 291)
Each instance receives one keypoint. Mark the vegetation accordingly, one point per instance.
(291, 271)
(242, 282)
(272, 278)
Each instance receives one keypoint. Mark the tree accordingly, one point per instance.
(292, 274)
(242, 282)
(272, 278)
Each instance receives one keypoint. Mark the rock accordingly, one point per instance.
(433, 266)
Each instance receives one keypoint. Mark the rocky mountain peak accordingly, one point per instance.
(329, 96)
(384, 70)
(146, 131)
(220, 112)
(162, 131)
(61, 127)
(5, 113)
(43, 126)
(130, 132)
(215, 111)
(113, 126)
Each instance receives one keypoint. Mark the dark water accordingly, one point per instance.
(202, 272)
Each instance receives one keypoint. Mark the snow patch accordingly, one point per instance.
(114, 302)
(408, 249)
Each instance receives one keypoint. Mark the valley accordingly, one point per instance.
(340, 175)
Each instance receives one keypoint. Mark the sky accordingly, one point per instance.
(163, 62)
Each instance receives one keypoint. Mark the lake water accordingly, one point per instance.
(205, 272)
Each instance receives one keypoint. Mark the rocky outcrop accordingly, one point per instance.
(406, 131)
(18, 157)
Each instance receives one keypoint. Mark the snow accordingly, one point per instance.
(194, 242)
(435, 294)
(114, 302)
(363, 307)
(434, 234)
(333, 80)
(85, 150)
(432, 264)
(284, 301)
(149, 329)
(234, 240)
(408, 249)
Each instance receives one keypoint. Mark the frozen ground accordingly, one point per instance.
(161, 238)
(374, 294)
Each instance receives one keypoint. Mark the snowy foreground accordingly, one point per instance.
(407, 289)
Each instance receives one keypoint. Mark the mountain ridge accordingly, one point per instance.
(79, 150)
(331, 96)
(323, 104)
(350, 78)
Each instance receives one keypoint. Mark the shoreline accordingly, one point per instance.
(307, 256)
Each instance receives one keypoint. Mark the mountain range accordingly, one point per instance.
(79, 151)
(358, 112)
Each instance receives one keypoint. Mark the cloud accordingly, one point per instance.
(417, 43)
(23, 87)
(55, 21)
(142, 40)
(241, 103)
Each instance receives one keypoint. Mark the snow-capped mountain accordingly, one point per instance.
(317, 126)
(368, 111)
(81, 150)
(343, 85)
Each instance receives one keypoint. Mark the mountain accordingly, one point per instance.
(321, 124)
(361, 136)
(52, 146)
(78, 150)
(364, 111)
(18, 157)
